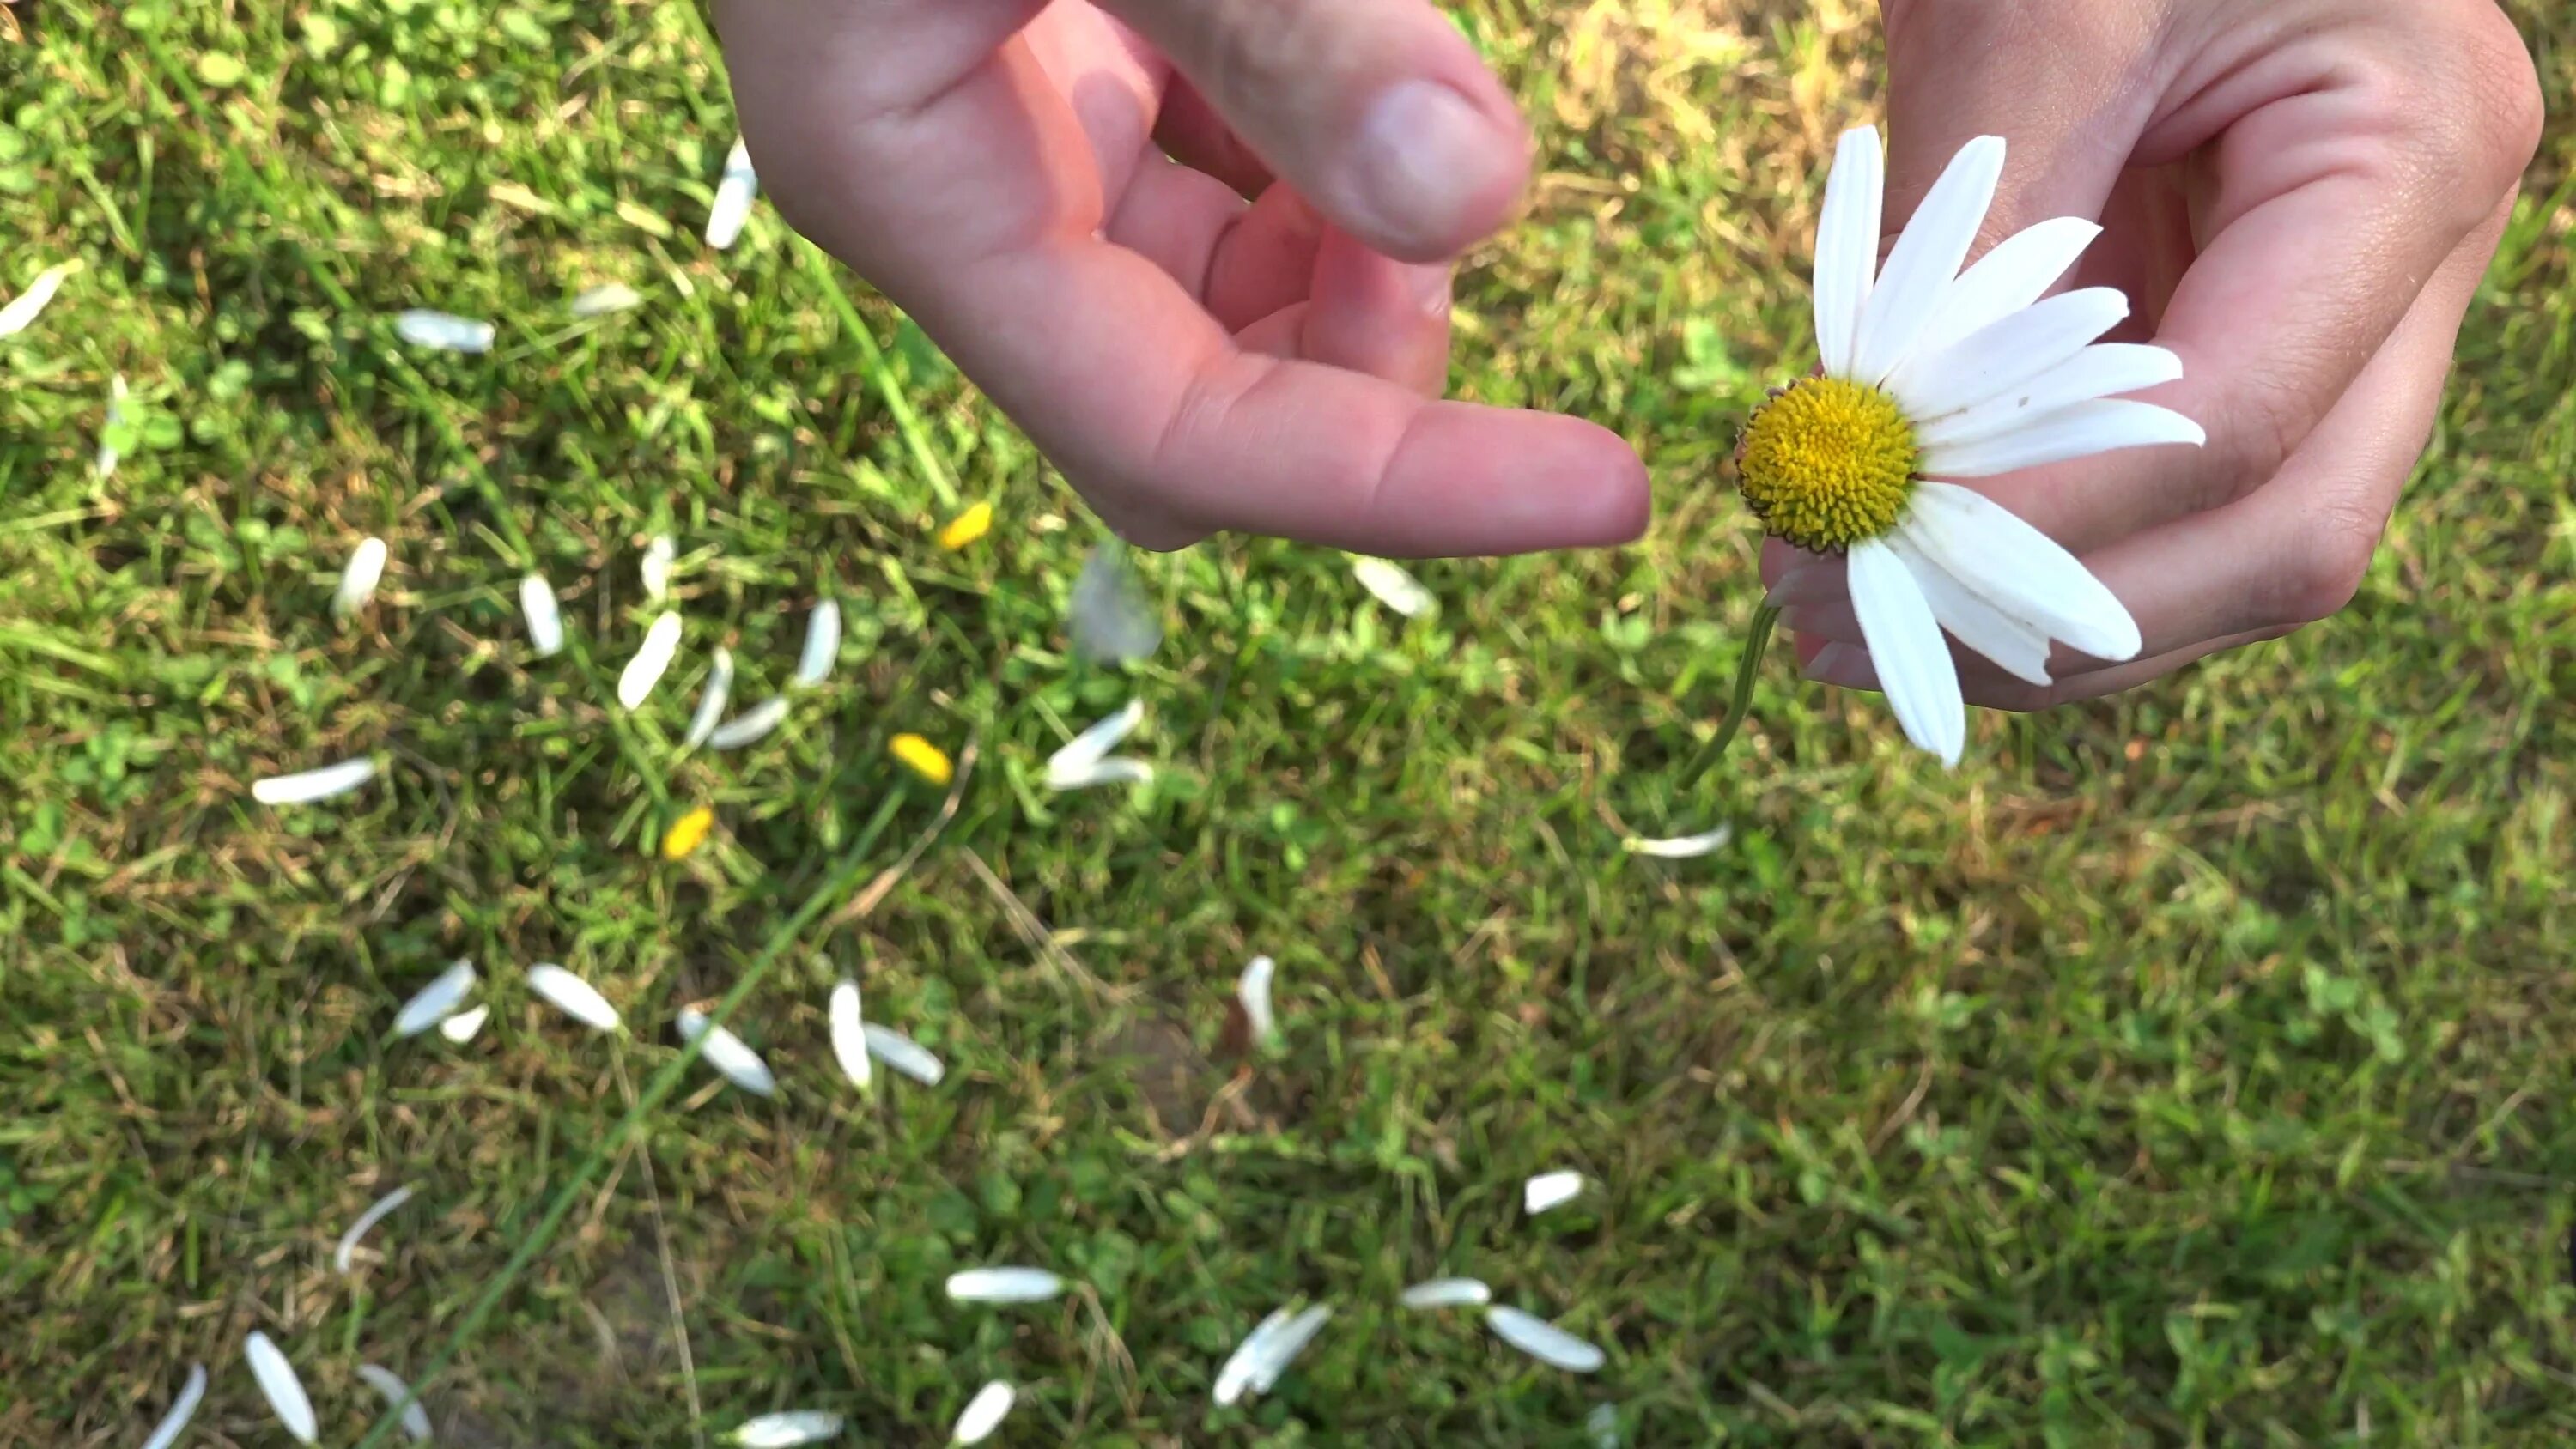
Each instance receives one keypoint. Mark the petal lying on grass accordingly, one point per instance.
(1111, 619)
(1543, 1340)
(711, 700)
(1118, 770)
(1004, 1285)
(923, 758)
(1244, 1364)
(415, 1419)
(903, 1053)
(849, 1037)
(734, 193)
(749, 727)
(984, 1413)
(107, 454)
(728, 1054)
(966, 527)
(605, 298)
(659, 555)
(27, 305)
(1603, 1424)
(1550, 1189)
(284, 1391)
(575, 997)
(645, 670)
(342, 1254)
(435, 1002)
(1393, 587)
(461, 1027)
(1253, 990)
(1680, 847)
(686, 833)
(1094, 744)
(359, 577)
(182, 1409)
(788, 1430)
(1447, 1293)
(444, 331)
(322, 784)
(545, 616)
(822, 644)
(1283, 1347)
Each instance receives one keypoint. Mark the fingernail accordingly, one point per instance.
(1843, 665)
(1808, 583)
(1426, 155)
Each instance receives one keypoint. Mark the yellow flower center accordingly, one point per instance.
(1827, 463)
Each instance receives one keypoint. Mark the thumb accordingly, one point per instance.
(1379, 111)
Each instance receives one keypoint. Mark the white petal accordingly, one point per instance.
(2082, 431)
(444, 331)
(903, 1053)
(849, 1041)
(2105, 370)
(1111, 619)
(822, 643)
(1004, 1285)
(1253, 990)
(1447, 1293)
(645, 670)
(1282, 1348)
(435, 1002)
(1543, 1340)
(461, 1027)
(1681, 847)
(788, 1430)
(1393, 587)
(749, 727)
(2016, 645)
(1991, 363)
(284, 1390)
(24, 307)
(733, 199)
(2022, 572)
(182, 1409)
(1118, 770)
(1905, 644)
(1847, 245)
(729, 1054)
(1603, 1424)
(375, 1213)
(576, 998)
(1925, 259)
(358, 579)
(711, 700)
(659, 554)
(545, 616)
(1094, 744)
(2014, 273)
(312, 785)
(415, 1419)
(1245, 1362)
(605, 298)
(984, 1413)
(107, 455)
(1550, 1189)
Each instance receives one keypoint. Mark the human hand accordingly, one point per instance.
(1191, 360)
(2299, 198)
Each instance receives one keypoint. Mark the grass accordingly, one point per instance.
(2187, 1068)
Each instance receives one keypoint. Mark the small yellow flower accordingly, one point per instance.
(967, 527)
(923, 758)
(687, 832)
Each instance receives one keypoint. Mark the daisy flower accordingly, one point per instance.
(1933, 373)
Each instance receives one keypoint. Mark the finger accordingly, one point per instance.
(1242, 262)
(1192, 133)
(1379, 111)
(1378, 316)
(1989, 688)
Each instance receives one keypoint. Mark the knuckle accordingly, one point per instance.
(2321, 579)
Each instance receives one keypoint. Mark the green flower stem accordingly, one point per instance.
(1751, 664)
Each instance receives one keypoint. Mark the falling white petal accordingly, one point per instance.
(1926, 259)
(182, 1409)
(1543, 1340)
(1905, 643)
(2024, 573)
(605, 298)
(107, 454)
(347, 1248)
(645, 670)
(729, 1054)
(1253, 990)
(849, 1041)
(1245, 1362)
(461, 1027)
(1112, 620)
(788, 1430)
(1393, 587)
(1550, 1189)
(2017, 646)
(822, 644)
(711, 701)
(444, 331)
(577, 998)
(984, 1413)
(2020, 349)
(24, 307)
(1447, 1293)
(2104, 370)
(358, 579)
(545, 617)
(435, 1002)
(312, 785)
(1004, 1285)
(903, 1053)
(2014, 273)
(415, 1419)
(1082, 762)
(1117, 770)
(1282, 1348)
(1603, 1424)
(2082, 431)
(1680, 847)
(659, 554)
(734, 192)
(1847, 245)
(285, 1392)
(749, 727)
